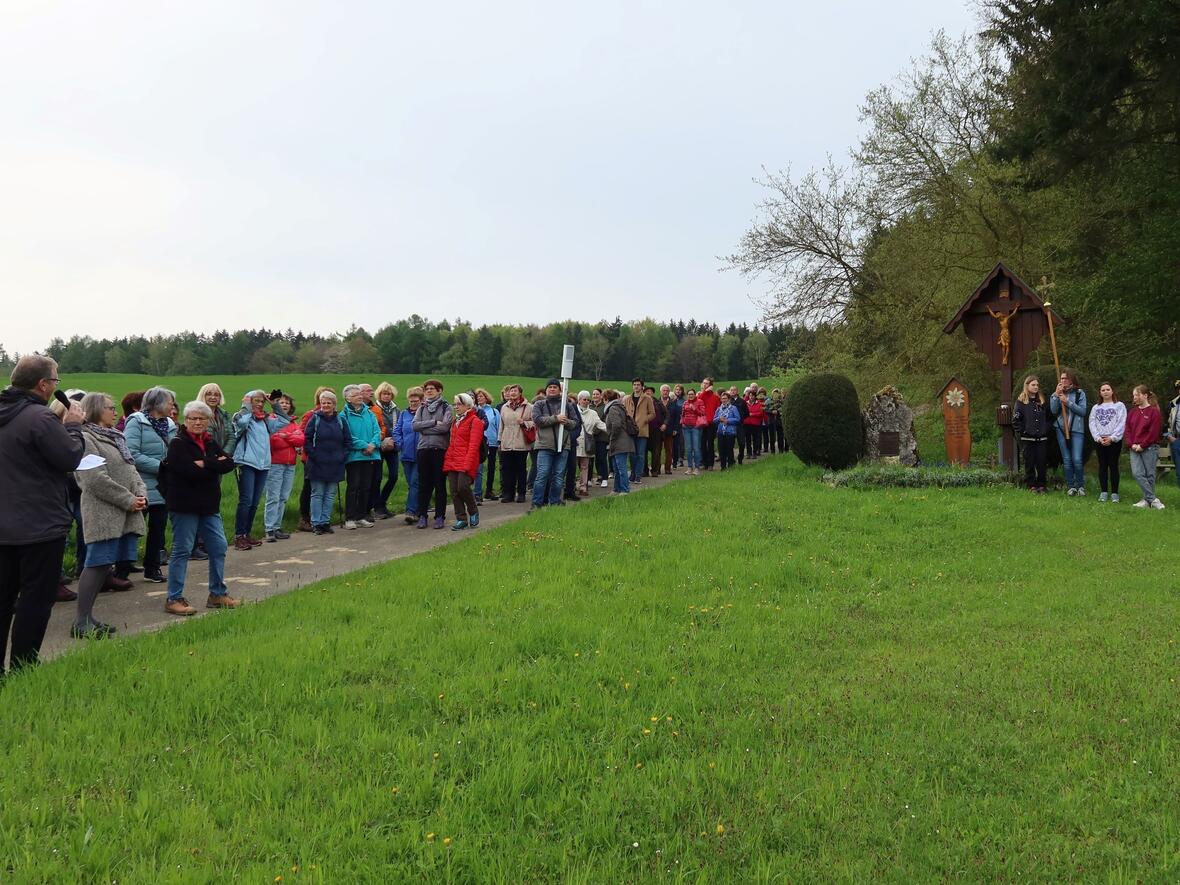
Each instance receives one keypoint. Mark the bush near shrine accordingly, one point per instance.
(822, 422)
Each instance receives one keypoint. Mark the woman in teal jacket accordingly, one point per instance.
(148, 433)
(1072, 398)
(363, 458)
(252, 455)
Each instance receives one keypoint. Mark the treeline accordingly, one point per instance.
(675, 349)
(1051, 141)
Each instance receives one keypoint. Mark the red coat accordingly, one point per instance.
(711, 403)
(754, 419)
(693, 414)
(463, 452)
(284, 442)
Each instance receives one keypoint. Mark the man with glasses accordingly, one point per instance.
(38, 452)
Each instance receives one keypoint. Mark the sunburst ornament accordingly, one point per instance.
(955, 398)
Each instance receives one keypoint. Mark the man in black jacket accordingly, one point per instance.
(37, 454)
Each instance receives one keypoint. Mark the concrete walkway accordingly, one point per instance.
(285, 566)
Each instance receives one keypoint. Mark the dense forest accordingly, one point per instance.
(676, 349)
(1051, 141)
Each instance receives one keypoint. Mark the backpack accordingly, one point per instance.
(629, 424)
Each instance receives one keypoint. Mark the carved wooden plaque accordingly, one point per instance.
(956, 414)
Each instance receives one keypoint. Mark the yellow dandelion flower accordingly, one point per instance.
(395, 791)
(639, 765)
(436, 755)
(278, 878)
(626, 686)
(711, 764)
(430, 837)
(441, 696)
(647, 731)
(720, 829)
(447, 840)
(655, 718)
(667, 718)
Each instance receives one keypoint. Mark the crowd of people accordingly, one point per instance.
(1066, 415)
(116, 479)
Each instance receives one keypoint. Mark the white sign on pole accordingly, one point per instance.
(567, 372)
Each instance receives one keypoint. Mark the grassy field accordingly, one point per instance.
(748, 677)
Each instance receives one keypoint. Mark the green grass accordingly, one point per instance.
(746, 677)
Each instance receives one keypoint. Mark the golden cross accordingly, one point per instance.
(1046, 285)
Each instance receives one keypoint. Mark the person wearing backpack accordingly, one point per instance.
(327, 442)
(620, 443)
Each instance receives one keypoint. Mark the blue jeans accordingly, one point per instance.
(550, 481)
(619, 463)
(186, 528)
(279, 480)
(323, 498)
(639, 459)
(251, 483)
(692, 446)
(410, 472)
(1175, 447)
(1071, 456)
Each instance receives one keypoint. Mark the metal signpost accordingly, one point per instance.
(567, 372)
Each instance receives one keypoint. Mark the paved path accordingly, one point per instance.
(284, 566)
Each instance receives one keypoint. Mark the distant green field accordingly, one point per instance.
(748, 677)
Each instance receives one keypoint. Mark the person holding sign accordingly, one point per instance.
(1068, 406)
(555, 420)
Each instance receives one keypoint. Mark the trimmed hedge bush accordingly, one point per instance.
(874, 476)
(822, 423)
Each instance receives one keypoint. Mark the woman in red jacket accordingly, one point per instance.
(1142, 435)
(753, 424)
(285, 444)
(461, 463)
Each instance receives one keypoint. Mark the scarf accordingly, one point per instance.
(115, 438)
(390, 413)
(160, 425)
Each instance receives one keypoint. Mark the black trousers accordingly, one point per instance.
(28, 588)
(431, 482)
(1035, 452)
(1108, 465)
(380, 496)
(725, 444)
(571, 474)
(359, 475)
(514, 470)
(601, 456)
(741, 443)
(157, 521)
(489, 473)
(708, 441)
(305, 497)
(655, 449)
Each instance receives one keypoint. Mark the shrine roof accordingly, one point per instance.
(1023, 287)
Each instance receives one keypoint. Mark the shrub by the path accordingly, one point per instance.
(821, 420)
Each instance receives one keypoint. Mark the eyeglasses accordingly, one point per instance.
(201, 419)
(54, 380)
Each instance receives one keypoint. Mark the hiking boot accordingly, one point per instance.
(222, 600)
(241, 543)
(519, 499)
(459, 525)
(316, 530)
(410, 518)
(327, 530)
(305, 526)
(94, 630)
(65, 594)
(252, 541)
(421, 522)
(440, 522)
(117, 584)
(179, 607)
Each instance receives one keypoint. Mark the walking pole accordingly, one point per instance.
(1065, 419)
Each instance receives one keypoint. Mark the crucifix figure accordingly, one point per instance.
(1005, 339)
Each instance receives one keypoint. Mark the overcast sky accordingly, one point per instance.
(168, 166)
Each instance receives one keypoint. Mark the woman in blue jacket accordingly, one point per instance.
(406, 439)
(1070, 397)
(364, 456)
(254, 425)
(148, 433)
(327, 443)
(727, 419)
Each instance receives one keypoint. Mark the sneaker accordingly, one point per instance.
(1141, 503)
(96, 630)
(440, 522)
(179, 607)
(1072, 492)
(1081, 493)
(281, 535)
(327, 530)
(305, 526)
(603, 484)
(198, 555)
(382, 513)
(316, 530)
(1102, 496)
(1114, 497)
(365, 523)
(410, 518)
(252, 541)
(459, 525)
(1157, 504)
(421, 522)
(154, 578)
(270, 537)
(223, 600)
(350, 525)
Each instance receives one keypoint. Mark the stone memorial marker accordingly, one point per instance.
(956, 415)
(889, 428)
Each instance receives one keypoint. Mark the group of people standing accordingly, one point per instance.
(119, 480)
(1111, 426)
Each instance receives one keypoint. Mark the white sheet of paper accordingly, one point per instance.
(89, 462)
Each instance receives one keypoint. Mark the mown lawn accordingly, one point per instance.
(748, 677)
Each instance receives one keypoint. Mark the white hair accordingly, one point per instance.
(466, 399)
(197, 407)
(583, 394)
(350, 389)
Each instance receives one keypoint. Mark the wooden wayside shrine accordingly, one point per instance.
(1006, 319)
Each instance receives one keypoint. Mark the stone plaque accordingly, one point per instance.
(889, 428)
(889, 443)
(956, 415)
